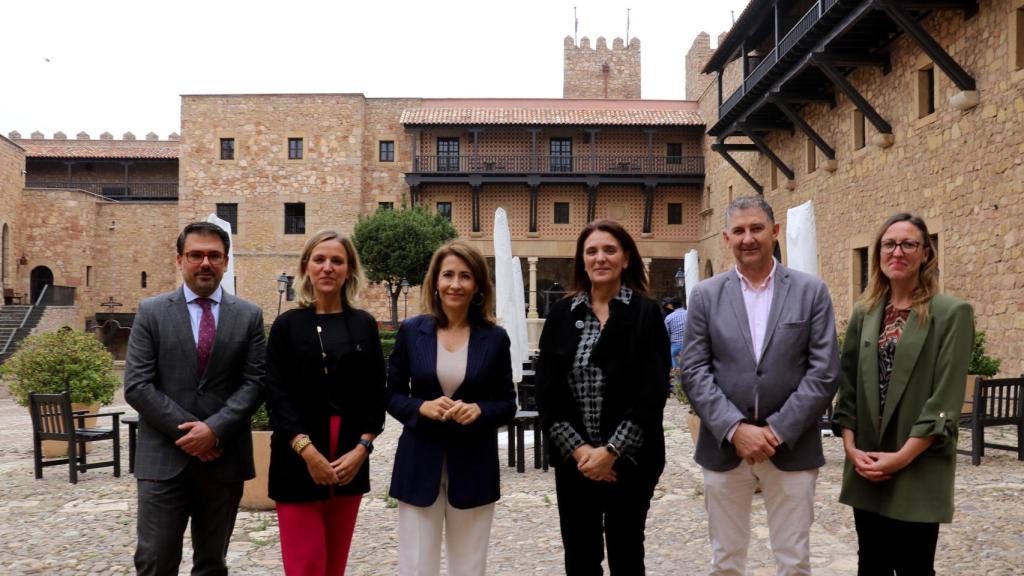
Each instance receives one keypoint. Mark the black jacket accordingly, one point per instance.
(633, 353)
(299, 405)
(471, 451)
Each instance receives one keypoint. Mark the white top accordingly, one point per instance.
(451, 367)
(758, 302)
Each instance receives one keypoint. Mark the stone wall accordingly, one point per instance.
(601, 72)
(698, 55)
(12, 181)
(962, 171)
(56, 317)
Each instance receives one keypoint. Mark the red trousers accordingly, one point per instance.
(316, 536)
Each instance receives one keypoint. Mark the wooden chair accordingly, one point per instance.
(526, 417)
(995, 403)
(53, 419)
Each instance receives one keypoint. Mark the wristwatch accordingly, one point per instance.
(613, 449)
(368, 444)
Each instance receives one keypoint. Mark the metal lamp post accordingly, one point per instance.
(282, 286)
(405, 293)
(680, 281)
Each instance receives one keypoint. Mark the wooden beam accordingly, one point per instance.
(859, 101)
(720, 148)
(648, 207)
(801, 97)
(764, 126)
(848, 58)
(759, 142)
(936, 52)
(806, 129)
(738, 147)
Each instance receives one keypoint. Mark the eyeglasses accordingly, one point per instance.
(908, 246)
(197, 257)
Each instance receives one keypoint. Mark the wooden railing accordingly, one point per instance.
(585, 164)
(117, 190)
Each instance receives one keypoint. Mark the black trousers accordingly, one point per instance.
(591, 512)
(887, 546)
(164, 510)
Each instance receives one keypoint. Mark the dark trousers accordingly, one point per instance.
(591, 512)
(887, 546)
(164, 510)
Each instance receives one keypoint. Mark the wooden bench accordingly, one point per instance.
(994, 403)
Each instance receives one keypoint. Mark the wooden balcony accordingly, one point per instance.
(556, 168)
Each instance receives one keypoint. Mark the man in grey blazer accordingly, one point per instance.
(194, 373)
(760, 366)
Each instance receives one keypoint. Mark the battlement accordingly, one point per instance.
(127, 136)
(601, 72)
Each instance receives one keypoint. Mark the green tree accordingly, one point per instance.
(396, 245)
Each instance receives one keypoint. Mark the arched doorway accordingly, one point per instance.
(5, 254)
(708, 270)
(40, 276)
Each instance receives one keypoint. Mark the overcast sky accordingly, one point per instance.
(121, 66)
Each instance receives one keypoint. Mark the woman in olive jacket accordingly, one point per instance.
(904, 367)
(326, 398)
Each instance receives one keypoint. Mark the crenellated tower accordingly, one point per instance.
(601, 72)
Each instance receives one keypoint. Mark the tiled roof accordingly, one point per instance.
(554, 112)
(123, 149)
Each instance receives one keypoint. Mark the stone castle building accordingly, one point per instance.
(864, 107)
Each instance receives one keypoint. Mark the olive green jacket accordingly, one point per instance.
(926, 392)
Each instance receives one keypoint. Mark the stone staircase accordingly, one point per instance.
(12, 332)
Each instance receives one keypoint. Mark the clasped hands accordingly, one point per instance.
(444, 408)
(339, 472)
(876, 466)
(595, 463)
(199, 440)
(754, 443)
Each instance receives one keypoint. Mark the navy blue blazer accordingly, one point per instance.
(471, 450)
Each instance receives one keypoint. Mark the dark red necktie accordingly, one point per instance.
(207, 332)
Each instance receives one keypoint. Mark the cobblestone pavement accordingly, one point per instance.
(52, 527)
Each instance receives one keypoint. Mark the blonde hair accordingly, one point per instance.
(353, 282)
(878, 290)
(481, 308)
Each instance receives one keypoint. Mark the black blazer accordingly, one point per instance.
(471, 451)
(298, 405)
(633, 353)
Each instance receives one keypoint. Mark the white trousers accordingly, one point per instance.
(466, 534)
(789, 501)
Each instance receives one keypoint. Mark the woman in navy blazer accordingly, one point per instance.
(450, 385)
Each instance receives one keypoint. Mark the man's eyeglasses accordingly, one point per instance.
(197, 257)
(908, 246)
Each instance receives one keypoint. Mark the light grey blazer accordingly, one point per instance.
(789, 388)
(161, 382)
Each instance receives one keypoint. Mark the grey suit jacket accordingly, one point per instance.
(789, 388)
(161, 382)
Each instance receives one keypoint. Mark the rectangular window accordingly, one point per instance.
(774, 175)
(447, 154)
(88, 276)
(385, 205)
(143, 280)
(925, 91)
(1018, 50)
(674, 153)
(812, 156)
(561, 154)
(861, 267)
(858, 130)
(229, 213)
(227, 148)
(387, 151)
(295, 148)
(294, 218)
(561, 212)
(445, 210)
(675, 213)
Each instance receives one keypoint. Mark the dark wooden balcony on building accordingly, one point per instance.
(121, 191)
(559, 166)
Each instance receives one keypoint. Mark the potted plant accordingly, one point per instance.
(982, 366)
(65, 360)
(254, 493)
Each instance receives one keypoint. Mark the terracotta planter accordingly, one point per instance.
(57, 449)
(693, 421)
(254, 494)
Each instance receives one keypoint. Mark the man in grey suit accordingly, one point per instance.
(760, 366)
(194, 373)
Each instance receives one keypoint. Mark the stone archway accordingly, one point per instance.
(39, 277)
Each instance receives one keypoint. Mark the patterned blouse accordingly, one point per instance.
(892, 328)
(587, 383)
